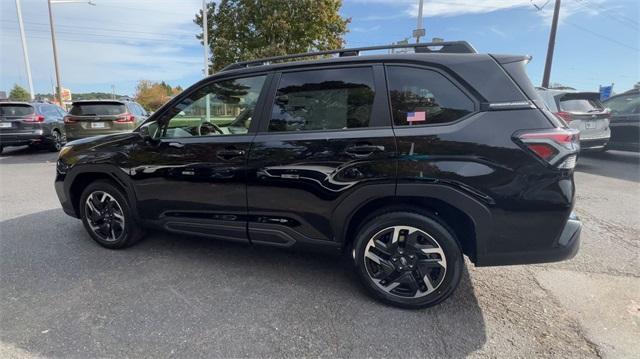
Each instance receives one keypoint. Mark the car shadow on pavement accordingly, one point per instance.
(615, 164)
(63, 295)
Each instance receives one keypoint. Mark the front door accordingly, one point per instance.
(193, 178)
(328, 134)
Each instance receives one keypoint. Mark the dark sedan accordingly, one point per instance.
(625, 121)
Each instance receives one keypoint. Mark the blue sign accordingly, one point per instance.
(605, 92)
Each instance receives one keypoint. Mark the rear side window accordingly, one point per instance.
(16, 110)
(424, 97)
(49, 111)
(579, 105)
(97, 109)
(323, 100)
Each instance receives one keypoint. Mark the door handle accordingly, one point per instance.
(364, 150)
(176, 144)
(229, 153)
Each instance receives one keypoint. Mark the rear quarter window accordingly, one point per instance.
(424, 97)
(97, 109)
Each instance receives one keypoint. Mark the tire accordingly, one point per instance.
(107, 216)
(1, 149)
(396, 271)
(56, 141)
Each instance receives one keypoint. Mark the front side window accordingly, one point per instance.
(424, 97)
(329, 99)
(221, 108)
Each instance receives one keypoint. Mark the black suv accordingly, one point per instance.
(36, 124)
(404, 161)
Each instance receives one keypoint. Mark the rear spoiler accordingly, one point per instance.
(507, 59)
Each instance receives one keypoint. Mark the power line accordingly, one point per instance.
(603, 36)
(186, 33)
(630, 22)
(603, 9)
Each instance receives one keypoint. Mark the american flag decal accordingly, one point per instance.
(419, 116)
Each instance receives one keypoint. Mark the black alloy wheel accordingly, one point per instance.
(107, 216)
(408, 259)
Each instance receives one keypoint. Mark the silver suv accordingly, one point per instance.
(582, 111)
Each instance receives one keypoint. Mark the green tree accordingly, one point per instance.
(19, 93)
(241, 30)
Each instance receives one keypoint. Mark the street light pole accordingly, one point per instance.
(419, 30)
(205, 37)
(24, 50)
(551, 46)
(53, 42)
(205, 42)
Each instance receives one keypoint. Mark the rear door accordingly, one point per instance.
(327, 134)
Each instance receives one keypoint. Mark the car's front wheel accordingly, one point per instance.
(408, 259)
(107, 216)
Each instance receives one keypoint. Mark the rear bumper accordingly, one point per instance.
(593, 144)
(23, 138)
(565, 247)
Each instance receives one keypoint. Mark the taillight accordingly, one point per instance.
(566, 116)
(558, 147)
(126, 118)
(68, 119)
(33, 118)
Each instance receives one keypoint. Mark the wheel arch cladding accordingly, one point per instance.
(83, 179)
(457, 220)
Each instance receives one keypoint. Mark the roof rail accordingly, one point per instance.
(450, 47)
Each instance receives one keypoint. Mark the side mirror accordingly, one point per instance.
(149, 131)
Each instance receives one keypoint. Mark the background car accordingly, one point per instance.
(625, 121)
(582, 111)
(103, 117)
(34, 124)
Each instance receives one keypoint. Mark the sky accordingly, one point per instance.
(119, 42)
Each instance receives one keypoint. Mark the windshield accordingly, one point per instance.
(624, 104)
(97, 109)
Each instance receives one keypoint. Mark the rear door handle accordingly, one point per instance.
(364, 150)
(229, 153)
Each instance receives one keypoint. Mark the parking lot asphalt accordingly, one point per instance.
(64, 296)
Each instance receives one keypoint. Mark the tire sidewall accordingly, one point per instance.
(129, 230)
(439, 232)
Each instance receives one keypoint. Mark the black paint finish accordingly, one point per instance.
(310, 187)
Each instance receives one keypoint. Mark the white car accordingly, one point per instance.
(582, 111)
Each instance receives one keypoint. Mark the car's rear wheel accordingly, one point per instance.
(56, 141)
(408, 259)
(107, 216)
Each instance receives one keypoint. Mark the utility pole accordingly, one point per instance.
(113, 92)
(419, 31)
(55, 57)
(551, 46)
(53, 43)
(24, 50)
